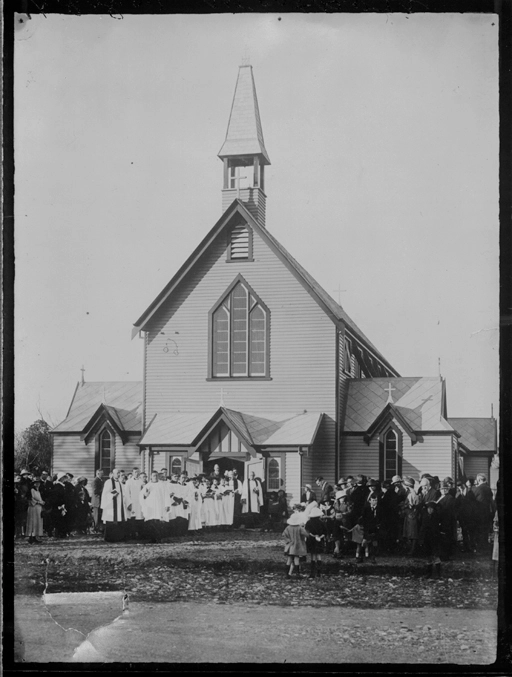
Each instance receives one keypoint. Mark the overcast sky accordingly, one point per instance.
(382, 131)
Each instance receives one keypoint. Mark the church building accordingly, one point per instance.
(250, 364)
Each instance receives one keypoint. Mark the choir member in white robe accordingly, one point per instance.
(195, 500)
(228, 501)
(209, 500)
(252, 498)
(172, 501)
(132, 491)
(152, 500)
(113, 506)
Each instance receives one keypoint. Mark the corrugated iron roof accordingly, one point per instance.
(476, 434)
(175, 428)
(300, 430)
(418, 399)
(123, 399)
(335, 311)
(244, 135)
(285, 429)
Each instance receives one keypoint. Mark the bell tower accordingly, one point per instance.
(243, 152)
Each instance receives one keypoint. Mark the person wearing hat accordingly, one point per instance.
(410, 513)
(343, 522)
(486, 508)
(308, 496)
(358, 495)
(34, 526)
(428, 491)
(58, 501)
(295, 536)
(82, 512)
(316, 540)
(370, 521)
(374, 489)
(447, 522)
(430, 534)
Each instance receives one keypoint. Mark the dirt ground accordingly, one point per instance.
(362, 613)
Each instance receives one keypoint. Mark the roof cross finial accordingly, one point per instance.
(83, 372)
(222, 393)
(388, 390)
(339, 290)
(104, 395)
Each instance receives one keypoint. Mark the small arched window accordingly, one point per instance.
(176, 465)
(274, 474)
(106, 447)
(240, 334)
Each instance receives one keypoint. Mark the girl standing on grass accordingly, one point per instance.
(315, 543)
(295, 543)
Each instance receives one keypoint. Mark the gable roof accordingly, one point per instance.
(244, 135)
(285, 429)
(418, 400)
(476, 434)
(329, 305)
(121, 399)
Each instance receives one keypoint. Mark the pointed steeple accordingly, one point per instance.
(244, 135)
(243, 152)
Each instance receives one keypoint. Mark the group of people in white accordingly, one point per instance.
(165, 506)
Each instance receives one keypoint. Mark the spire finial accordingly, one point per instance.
(83, 372)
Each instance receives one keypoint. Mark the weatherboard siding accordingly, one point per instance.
(356, 457)
(72, 455)
(475, 464)
(324, 450)
(431, 454)
(302, 342)
(292, 477)
(127, 455)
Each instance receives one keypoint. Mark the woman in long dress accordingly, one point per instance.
(410, 513)
(34, 519)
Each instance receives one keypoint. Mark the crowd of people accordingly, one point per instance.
(133, 505)
(356, 517)
(362, 517)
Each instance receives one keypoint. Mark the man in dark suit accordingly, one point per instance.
(325, 490)
(485, 502)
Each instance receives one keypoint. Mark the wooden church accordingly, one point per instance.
(250, 364)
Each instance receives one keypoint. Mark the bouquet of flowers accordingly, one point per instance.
(62, 509)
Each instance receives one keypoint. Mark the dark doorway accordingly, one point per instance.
(225, 464)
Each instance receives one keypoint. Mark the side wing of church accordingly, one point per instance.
(250, 364)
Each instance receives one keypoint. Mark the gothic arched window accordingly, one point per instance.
(105, 451)
(390, 453)
(240, 334)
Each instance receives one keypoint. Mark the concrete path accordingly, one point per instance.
(84, 627)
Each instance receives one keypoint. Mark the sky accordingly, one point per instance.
(382, 131)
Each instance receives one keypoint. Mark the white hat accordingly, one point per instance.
(296, 519)
(341, 493)
(60, 475)
(25, 472)
(315, 512)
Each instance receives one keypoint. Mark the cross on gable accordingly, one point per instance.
(388, 390)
